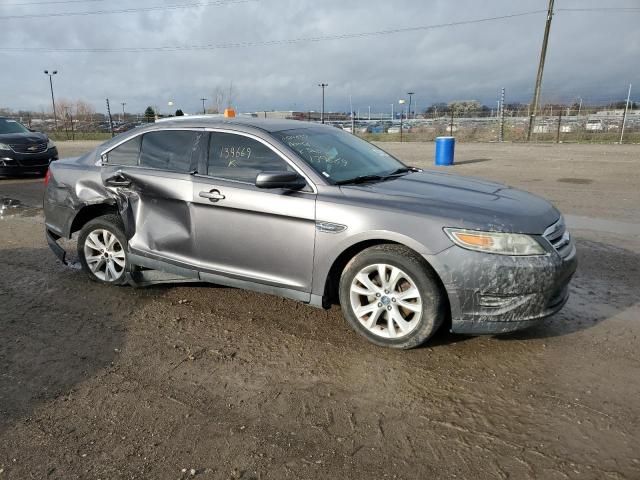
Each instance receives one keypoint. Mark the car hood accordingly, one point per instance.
(23, 138)
(459, 201)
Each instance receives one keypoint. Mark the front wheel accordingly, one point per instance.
(391, 296)
(102, 250)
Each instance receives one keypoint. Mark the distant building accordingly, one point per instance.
(310, 116)
(606, 114)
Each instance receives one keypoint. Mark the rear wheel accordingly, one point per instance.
(390, 295)
(102, 249)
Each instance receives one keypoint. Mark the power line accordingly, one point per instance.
(47, 2)
(270, 42)
(599, 9)
(126, 10)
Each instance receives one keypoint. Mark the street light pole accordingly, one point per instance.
(401, 102)
(123, 104)
(53, 101)
(411, 94)
(323, 86)
(204, 110)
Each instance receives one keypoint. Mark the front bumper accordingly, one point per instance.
(491, 294)
(12, 163)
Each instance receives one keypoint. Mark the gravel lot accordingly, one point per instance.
(100, 382)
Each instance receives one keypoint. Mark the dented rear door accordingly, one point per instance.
(154, 194)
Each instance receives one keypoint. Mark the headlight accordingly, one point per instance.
(4, 146)
(495, 242)
(50, 144)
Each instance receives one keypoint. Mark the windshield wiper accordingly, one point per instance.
(375, 178)
(361, 179)
(398, 171)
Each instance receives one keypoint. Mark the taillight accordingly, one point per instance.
(47, 177)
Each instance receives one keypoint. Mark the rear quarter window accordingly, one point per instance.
(169, 150)
(126, 153)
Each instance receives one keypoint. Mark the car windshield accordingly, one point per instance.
(339, 156)
(11, 126)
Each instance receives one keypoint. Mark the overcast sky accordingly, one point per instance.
(594, 55)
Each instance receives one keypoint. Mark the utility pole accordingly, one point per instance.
(123, 104)
(451, 129)
(501, 134)
(411, 94)
(543, 54)
(204, 110)
(559, 123)
(53, 101)
(73, 134)
(323, 86)
(110, 119)
(624, 115)
(579, 108)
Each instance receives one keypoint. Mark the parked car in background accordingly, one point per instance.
(595, 125)
(23, 150)
(309, 212)
(396, 128)
(125, 127)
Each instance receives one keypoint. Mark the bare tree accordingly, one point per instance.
(84, 111)
(222, 98)
(230, 95)
(462, 107)
(63, 105)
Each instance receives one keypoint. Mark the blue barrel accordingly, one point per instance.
(445, 148)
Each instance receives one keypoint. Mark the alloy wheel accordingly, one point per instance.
(104, 255)
(386, 300)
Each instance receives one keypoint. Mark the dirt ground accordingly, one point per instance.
(106, 383)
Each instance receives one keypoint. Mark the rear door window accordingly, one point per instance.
(170, 150)
(240, 158)
(126, 153)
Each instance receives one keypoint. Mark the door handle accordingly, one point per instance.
(118, 180)
(213, 195)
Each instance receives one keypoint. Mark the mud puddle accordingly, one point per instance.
(10, 207)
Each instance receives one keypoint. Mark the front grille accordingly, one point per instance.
(42, 162)
(559, 238)
(30, 148)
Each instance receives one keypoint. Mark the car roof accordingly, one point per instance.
(267, 125)
(241, 124)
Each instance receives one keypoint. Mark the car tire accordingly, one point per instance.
(103, 250)
(402, 311)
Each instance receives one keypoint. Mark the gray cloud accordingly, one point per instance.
(591, 55)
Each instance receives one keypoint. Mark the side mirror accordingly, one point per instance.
(289, 180)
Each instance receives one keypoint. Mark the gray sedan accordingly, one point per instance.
(312, 213)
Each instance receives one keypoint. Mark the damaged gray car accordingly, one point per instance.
(315, 214)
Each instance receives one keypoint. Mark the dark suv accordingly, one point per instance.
(22, 150)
